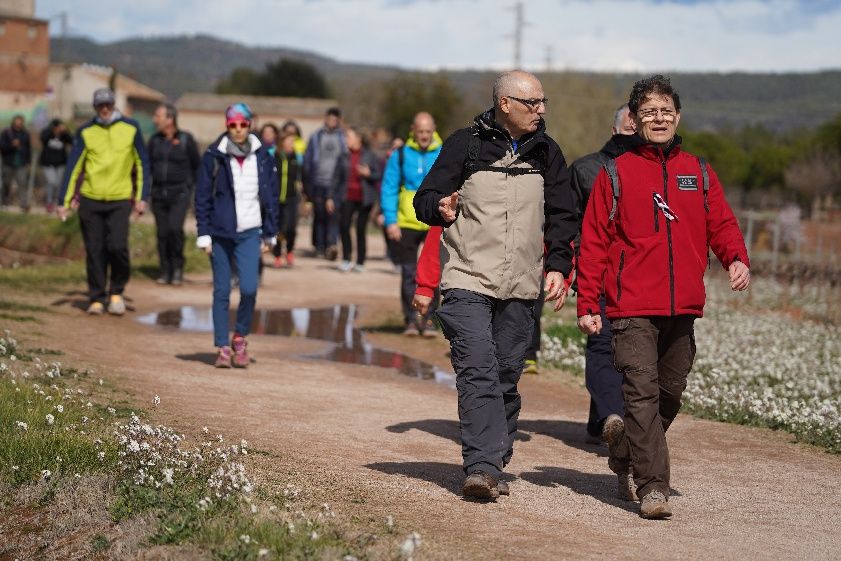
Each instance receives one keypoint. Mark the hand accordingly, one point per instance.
(448, 206)
(209, 249)
(590, 324)
(421, 303)
(556, 289)
(363, 170)
(380, 220)
(393, 232)
(16, 143)
(63, 212)
(739, 276)
(330, 206)
(139, 207)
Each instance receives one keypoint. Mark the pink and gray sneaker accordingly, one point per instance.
(240, 354)
(223, 359)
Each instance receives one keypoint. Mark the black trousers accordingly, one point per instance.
(407, 257)
(603, 381)
(349, 208)
(488, 339)
(169, 205)
(287, 225)
(105, 233)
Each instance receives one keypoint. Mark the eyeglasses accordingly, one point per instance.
(532, 104)
(666, 113)
(239, 125)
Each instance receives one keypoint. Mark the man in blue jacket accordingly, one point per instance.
(404, 173)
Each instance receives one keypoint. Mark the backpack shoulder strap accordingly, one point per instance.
(610, 168)
(214, 174)
(705, 177)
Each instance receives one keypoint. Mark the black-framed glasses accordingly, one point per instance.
(533, 103)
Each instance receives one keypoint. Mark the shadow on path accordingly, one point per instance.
(571, 433)
(447, 476)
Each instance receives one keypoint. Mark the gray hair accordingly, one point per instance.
(617, 117)
(508, 81)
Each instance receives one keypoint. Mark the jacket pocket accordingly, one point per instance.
(619, 276)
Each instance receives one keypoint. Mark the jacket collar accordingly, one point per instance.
(658, 154)
(487, 122)
(434, 145)
(221, 144)
(621, 143)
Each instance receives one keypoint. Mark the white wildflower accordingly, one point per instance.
(245, 538)
(21, 425)
(156, 401)
(46, 474)
(50, 419)
(59, 408)
(410, 545)
(168, 473)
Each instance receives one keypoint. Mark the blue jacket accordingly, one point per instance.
(396, 196)
(216, 207)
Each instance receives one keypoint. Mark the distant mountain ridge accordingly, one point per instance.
(177, 64)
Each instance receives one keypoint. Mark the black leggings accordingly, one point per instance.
(362, 214)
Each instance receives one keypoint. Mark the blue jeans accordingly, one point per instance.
(603, 381)
(242, 252)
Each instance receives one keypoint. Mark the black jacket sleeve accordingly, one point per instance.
(193, 157)
(444, 179)
(561, 216)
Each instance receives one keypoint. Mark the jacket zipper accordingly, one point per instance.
(619, 276)
(669, 236)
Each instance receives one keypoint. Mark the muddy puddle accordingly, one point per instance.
(334, 325)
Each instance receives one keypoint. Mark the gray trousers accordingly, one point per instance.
(20, 176)
(488, 340)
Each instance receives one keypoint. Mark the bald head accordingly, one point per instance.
(514, 82)
(423, 129)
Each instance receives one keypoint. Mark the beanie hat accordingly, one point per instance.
(238, 112)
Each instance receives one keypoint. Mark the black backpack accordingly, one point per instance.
(472, 164)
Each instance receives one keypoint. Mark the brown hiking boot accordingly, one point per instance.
(655, 505)
(613, 433)
(502, 487)
(480, 485)
(627, 487)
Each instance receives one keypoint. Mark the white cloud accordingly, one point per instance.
(643, 35)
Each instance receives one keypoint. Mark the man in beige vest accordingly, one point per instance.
(501, 190)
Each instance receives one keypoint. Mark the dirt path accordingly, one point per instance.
(374, 443)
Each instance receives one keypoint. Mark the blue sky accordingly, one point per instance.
(628, 35)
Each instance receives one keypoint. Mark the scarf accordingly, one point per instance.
(238, 150)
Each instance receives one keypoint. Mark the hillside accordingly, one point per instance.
(579, 100)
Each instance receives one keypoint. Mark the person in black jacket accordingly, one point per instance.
(174, 159)
(16, 152)
(289, 173)
(55, 142)
(501, 191)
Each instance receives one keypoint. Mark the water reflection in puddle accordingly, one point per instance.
(335, 325)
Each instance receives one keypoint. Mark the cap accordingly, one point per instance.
(103, 96)
(238, 112)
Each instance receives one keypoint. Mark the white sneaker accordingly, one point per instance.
(345, 266)
(116, 305)
(358, 269)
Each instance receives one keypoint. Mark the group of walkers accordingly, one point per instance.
(628, 228)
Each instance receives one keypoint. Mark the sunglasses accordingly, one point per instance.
(239, 125)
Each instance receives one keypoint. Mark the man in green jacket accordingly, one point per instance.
(107, 177)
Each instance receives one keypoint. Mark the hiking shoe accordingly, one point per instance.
(116, 305)
(345, 266)
(96, 309)
(223, 359)
(480, 485)
(411, 331)
(331, 253)
(627, 487)
(278, 262)
(530, 367)
(163, 279)
(177, 277)
(655, 505)
(240, 354)
(502, 487)
(358, 268)
(290, 259)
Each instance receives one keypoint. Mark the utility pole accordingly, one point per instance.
(519, 24)
(549, 52)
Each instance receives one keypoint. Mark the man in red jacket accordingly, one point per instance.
(652, 215)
